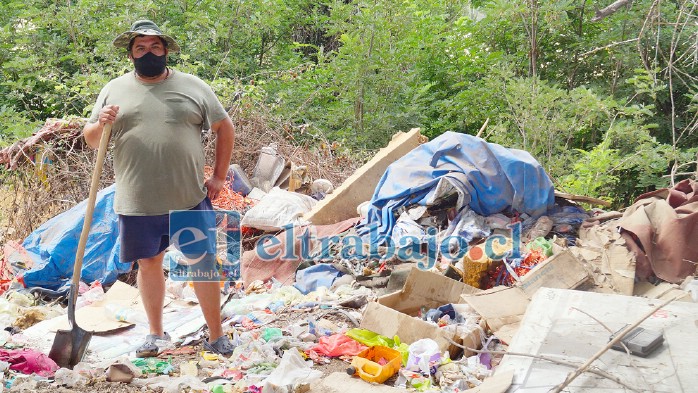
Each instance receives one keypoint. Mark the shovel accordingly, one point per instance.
(69, 345)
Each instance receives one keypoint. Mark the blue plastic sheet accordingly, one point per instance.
(54, 244)
(489, 178)
(314, 277)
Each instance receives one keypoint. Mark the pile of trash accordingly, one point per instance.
(444, 266)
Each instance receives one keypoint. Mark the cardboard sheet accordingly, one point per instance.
(394, 313)
(662, 291)
(561, 270)
(553, 327)
(502, 308)
(94, 317)
(604, 251)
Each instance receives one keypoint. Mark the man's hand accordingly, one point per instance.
(214, 186)
(93, 131)
(108, 114)
(225, 137)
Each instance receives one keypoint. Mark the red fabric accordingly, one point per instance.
(338, 345)
(29, 361)
(661, 229)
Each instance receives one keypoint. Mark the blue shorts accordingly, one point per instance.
(148, 236)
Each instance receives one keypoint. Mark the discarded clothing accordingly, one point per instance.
(280, 259)
(54, 244)
(29, 361)
(660, 228)
(314, 277)
(487, 177)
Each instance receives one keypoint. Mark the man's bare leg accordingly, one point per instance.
(151, 285)
(209, 295)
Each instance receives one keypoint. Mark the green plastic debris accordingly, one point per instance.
(542, 244)
(271, 333)
(154, 365)
(370, 339)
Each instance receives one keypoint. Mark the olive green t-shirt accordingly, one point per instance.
(158, 152)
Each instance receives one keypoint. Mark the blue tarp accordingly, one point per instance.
(489, 178)
(54, 244)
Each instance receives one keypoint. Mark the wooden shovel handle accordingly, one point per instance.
(94, 186)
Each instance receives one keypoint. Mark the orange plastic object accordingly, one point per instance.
(367, 364)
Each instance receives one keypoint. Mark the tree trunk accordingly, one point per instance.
(534, 39)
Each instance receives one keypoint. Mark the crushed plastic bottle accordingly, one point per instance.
(124, 314)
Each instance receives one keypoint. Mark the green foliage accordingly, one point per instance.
(593, 171)
(608, 107)
(14, 126)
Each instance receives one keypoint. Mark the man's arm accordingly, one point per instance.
(93, 131)
(225, 139)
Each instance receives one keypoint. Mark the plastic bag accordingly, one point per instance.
(93, 295)
(424, 354)
(258, 301)
(338, 345)
(153, 365)
(53, 245)
(277, 210)
(316, 277)
(291, 371)
(370, 339)
(271, 334)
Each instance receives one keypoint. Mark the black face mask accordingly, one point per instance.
(150, 65)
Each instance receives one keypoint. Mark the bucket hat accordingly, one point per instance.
(144, 27)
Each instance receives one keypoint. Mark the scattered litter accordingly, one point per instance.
(291, 372)
(154, 366)
(123, 370)
(29, 361)
(338, 345)
(170, 384)
(69, 378)
(480, 239)
(376, 364)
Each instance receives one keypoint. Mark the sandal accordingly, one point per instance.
(222, 346)
(149, 348)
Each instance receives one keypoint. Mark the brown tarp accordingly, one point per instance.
(661, 228)
(254, 267)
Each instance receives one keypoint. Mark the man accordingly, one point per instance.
(158, 115)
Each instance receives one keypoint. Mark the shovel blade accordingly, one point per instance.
(69, 346)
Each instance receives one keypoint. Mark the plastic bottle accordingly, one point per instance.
(124, 314)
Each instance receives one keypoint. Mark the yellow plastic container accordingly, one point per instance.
(367, 364)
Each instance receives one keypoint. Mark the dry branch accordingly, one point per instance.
(550, 359)
(52, 168)
(573, 375)
(611, 9)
